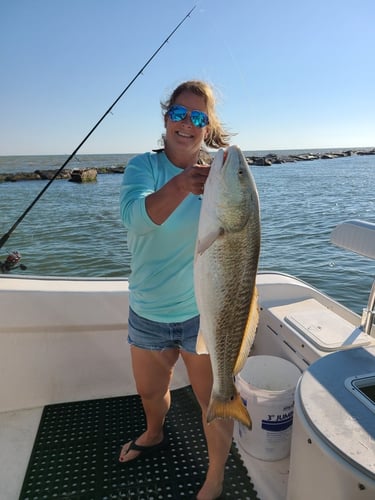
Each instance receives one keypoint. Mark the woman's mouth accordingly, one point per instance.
(182, 134)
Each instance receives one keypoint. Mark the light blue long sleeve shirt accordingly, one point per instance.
(161, 280)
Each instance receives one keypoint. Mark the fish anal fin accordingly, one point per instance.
(201, 347)
(233, 408)
(249, 335)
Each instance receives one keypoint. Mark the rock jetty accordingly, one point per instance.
(272, 159)
(39, 175)
(262, 161)
(83, 175)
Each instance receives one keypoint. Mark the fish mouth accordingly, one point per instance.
(220, 158)
(224, 157)
(231, 153)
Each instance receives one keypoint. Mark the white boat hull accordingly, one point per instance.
(65, 340)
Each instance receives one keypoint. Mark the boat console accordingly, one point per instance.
(333, 439)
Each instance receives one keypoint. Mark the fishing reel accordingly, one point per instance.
(12, 262)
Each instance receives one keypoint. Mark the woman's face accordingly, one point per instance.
(183, 135)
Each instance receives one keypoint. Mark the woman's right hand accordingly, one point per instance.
(162, 203)
(192, 179)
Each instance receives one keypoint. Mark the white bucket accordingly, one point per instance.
(267, 385)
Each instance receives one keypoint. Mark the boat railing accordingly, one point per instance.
(359, 237)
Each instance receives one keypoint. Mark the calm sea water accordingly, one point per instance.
(75, 229)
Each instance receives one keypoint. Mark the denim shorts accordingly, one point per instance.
(156, 336)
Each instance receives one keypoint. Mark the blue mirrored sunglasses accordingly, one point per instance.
(198, 118)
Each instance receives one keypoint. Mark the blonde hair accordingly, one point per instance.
(217, 136)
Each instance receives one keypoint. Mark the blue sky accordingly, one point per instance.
(290, 74)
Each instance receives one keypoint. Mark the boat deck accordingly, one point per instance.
(77, 446)
(70, 450)
(17, 434)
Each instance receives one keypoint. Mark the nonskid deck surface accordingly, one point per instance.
(75, 454)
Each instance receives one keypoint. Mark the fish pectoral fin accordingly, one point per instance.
(210, 238)
(249, 335)
(201, 347)
(233, 408)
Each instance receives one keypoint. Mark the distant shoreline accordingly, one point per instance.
(253, 160)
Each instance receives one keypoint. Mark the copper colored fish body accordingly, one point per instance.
(225, 268)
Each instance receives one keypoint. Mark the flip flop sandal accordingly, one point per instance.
(144, 450)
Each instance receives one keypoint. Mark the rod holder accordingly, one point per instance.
(368, 314)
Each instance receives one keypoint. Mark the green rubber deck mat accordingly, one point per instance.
(75, 454)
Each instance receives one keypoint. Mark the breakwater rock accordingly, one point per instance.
(40, 175)
(272, 158)
(263, 161)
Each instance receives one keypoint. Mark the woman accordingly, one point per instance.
(160, 205)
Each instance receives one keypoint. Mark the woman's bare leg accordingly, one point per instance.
(152, 373)
(218, 433)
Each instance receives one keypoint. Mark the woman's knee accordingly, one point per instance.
(153, 372)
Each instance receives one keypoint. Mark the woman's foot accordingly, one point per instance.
(144, 445)
(210, 491)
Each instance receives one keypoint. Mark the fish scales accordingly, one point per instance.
(225, 268)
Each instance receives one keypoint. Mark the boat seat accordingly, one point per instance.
(357, 236)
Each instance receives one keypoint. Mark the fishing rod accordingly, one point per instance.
(6, 236)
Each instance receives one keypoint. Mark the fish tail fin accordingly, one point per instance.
(229, 409)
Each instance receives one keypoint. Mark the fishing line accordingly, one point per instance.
(6, 236)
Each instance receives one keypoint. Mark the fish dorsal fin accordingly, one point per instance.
(201, 347)
(207, 240)
(251, 326)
